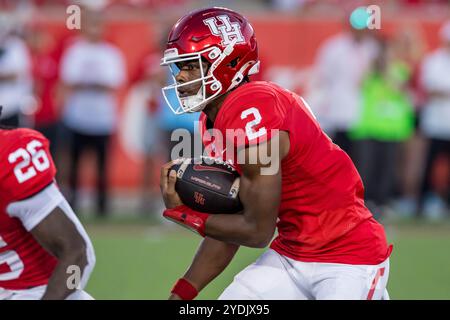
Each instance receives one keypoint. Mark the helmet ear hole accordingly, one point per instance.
(233, 63)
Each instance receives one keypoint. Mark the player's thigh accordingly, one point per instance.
(348, 282)
(265, 279)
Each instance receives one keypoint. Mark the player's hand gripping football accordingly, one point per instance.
(176, 210)
(167, 185)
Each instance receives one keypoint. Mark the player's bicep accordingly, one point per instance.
(260, 197)
(54, 225)
(61, 234)
(58, 234)
(260, 193)
(48, 216)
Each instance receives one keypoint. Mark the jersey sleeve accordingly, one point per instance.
(27, 166)
(252, 119)
(33, 210)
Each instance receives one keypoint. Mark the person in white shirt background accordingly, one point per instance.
(15, 74)
(92, 71)
(435, 126)
(341, 65)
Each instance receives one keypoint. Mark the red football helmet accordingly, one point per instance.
(223, 38)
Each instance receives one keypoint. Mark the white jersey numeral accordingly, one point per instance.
(12, 259)
(31, 159)
(249, 127)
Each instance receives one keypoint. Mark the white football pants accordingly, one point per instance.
(276, 277)
(36, 293)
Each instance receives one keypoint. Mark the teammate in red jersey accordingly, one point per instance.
(45, 252)
(328, 246)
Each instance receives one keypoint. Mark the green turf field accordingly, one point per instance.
(142, 260)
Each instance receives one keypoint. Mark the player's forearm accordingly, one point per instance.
(211, 259)
(240, 229)
(260, 196)
(59, 286)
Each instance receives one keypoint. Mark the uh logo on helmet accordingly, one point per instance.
(223, 38)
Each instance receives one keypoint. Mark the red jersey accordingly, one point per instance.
(322, 215)
(26, 168)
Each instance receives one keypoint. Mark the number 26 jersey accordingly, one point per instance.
(26, 168)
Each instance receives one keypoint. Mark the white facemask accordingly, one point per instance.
(197, 102)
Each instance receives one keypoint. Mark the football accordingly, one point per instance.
(208, 185)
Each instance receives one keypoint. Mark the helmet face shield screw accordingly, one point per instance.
(215, 86)
(214, 54)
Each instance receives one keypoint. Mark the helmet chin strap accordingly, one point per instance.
(193, 103)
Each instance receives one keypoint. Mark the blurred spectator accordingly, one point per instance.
(15, 77)
(435, 125)
(289, 5)
(92, 71)
(386, 121)
(408, 46)
(424, 2)
(343, 62)
(45, 59)
(146, 89)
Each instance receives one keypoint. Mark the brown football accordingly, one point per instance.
(208, 185)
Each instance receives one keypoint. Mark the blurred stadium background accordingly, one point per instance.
(382, 94)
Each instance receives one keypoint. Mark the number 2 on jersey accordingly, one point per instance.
(31, 159)
(249, 127)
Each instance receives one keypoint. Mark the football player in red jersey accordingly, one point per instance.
(45, 253)
(328, 246)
